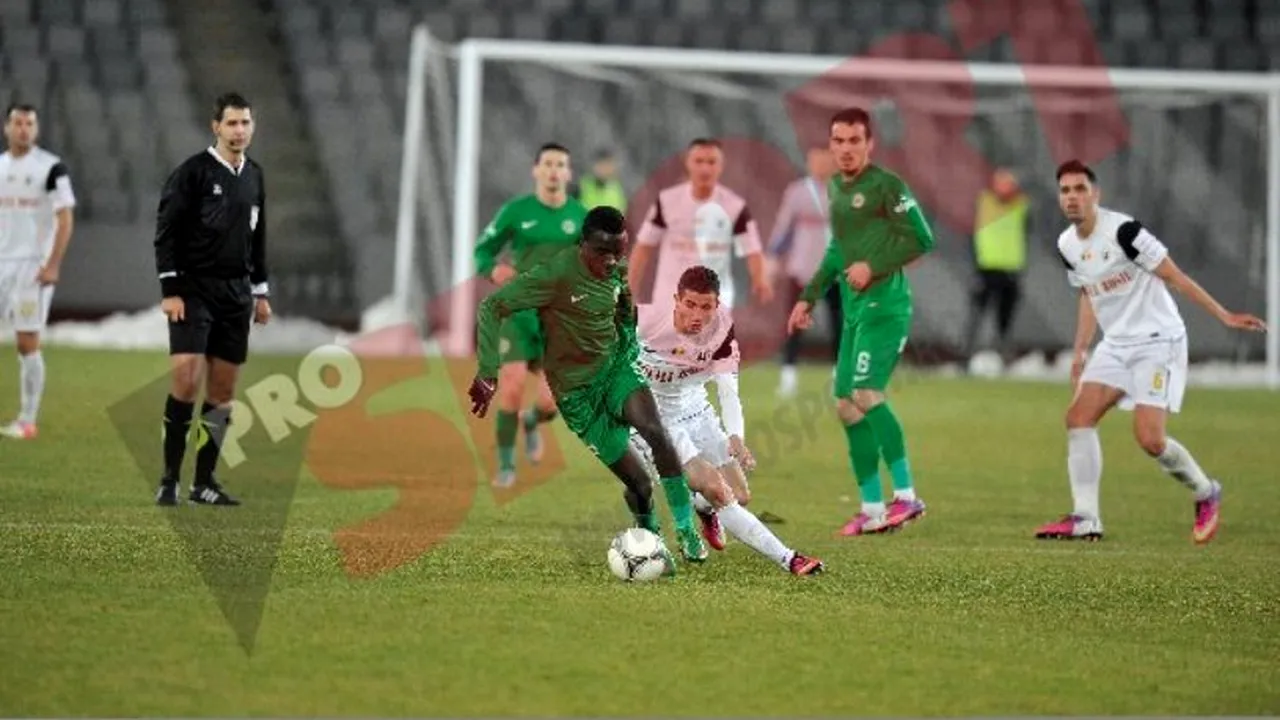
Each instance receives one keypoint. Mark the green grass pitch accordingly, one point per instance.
(105, 613)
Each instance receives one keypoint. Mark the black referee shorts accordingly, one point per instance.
(217, 319)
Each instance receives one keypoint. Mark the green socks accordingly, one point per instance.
(533, 417)
(888, 432)
(864, 456)
(679, 500)
(508, 425)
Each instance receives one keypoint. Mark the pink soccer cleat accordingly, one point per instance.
(19, 430)
(712, 530)
(1071, 527)
(902, 511)
(864, 524)
(1207, 516)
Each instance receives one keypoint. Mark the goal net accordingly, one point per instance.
(1188, 154)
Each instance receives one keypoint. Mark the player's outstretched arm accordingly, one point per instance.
(532, 290)
(492, 243)
(1175, 278)
(828, 271)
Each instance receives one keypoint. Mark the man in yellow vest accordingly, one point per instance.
(601, 186)
(1000, 255)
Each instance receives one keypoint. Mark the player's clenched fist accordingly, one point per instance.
(800, 318)
(481, 394)
(174, 309)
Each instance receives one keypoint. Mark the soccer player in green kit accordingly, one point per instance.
(877, 229)
(534, 226)
(580, 295)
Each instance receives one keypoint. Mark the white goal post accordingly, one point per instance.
(447, 83)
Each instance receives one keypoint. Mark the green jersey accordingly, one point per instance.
(533, 230)
(874, 218)
(584, 327)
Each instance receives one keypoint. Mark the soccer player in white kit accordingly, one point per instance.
(1124, 274)
(699, 222)
(681, 350)
(36, 203)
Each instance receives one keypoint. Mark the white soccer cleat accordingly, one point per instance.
(19, 430)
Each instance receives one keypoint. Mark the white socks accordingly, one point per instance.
(1177, 461)
(1084, 467)
(32, 383)
(747, 529)
(789, 380)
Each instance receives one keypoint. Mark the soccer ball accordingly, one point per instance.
(637, 555)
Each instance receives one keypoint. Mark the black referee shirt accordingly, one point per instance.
(212, 223)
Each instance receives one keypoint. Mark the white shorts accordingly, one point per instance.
(696, 434)
(1152, 374)
(24, 302)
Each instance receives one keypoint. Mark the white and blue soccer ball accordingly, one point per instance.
(637, 555)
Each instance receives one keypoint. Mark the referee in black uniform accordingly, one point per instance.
(211, 257)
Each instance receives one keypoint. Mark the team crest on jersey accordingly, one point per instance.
(858, 200)
(568, 227)
(504, 346)
(678, 351)
(253, 217)
(217, 189)
(1086, 256)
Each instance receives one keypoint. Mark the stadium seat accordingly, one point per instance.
(103, 13)
(65, 41)
(58, 12)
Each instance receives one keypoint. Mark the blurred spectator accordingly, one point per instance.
(798, 243)
(601, 186)
(1000, 256)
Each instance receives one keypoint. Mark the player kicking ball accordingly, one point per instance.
(590, 358)
(1124, 274)
(681, 350)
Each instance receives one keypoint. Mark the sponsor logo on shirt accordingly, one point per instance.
(1111, 284)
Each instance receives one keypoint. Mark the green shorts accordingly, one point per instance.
(869, 351)
(594, 413)
(520, 339)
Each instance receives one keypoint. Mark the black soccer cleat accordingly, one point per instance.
(167, 493)
(210, 493)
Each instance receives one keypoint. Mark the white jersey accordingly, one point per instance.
(1115, 266)
(679, 366)
(33, 188)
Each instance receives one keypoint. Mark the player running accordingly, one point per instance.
(1124, 274)
(534, 226)
(681, 351)
(581, 299)
(36, 206)
(877, 228)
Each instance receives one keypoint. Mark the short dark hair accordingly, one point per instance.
(852, 116)
(705, 142)
(602, 154)
(549, 147)
(700, 279)
(21, 107)
(1073, 167)
(229, 100)
(603, 225)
